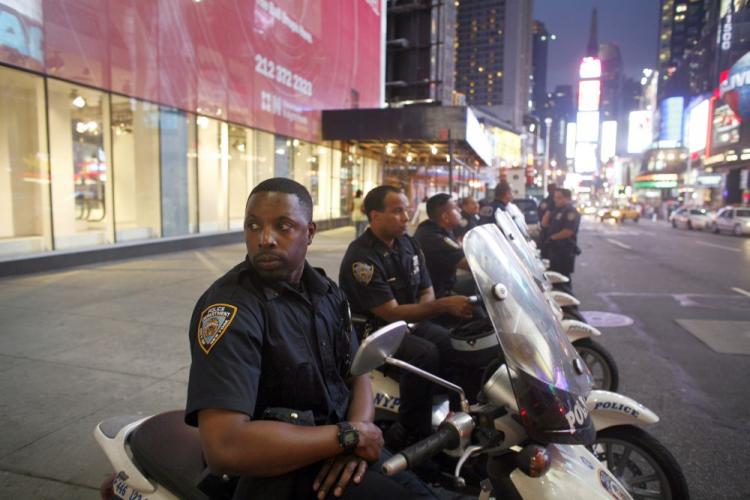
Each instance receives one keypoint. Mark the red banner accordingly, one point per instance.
(270, 64)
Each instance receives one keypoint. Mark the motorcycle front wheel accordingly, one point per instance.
(601, 364)
(641, 463)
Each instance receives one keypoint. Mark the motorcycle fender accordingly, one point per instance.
(564, 299)
(386, 392)
(115, 449)
(574, 473)
(609, 409)
(554, 277)
(576, 330)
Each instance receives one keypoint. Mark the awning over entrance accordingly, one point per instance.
(423, 134)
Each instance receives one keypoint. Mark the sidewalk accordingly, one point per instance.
(88, 343)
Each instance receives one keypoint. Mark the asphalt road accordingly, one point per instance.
(657, 275)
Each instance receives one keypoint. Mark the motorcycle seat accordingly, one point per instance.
(169, 451)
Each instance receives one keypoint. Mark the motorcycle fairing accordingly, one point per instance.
(522, 248)
(550, 381)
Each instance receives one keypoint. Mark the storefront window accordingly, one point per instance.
(135, 180)
(263, 156)
(179, 184)
(213, 166)
(80, 158)
(240, 173)
(24, 172)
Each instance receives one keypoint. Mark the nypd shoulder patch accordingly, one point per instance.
(571, 215)
(363, 272)
(213, 323)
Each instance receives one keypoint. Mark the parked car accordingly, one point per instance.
(733, 219)
(530, 213)
(691, 218)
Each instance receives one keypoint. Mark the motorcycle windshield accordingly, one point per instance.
(518, 218)
(521, 246)
(550, 381)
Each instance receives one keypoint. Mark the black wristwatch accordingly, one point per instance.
(348, 436)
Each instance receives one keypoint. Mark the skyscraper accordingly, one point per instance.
(540, 41)
(679, 32)
(493, 56)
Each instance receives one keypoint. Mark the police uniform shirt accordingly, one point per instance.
(467, 223)
(372, 274)
(565, 217)
(545, 206)
(256, 346)
(442, 254)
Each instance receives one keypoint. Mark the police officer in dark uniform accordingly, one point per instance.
(562, 229)
(545, 206)
(503, 196)
(442, 251)
(269, 388)
(385, 278)
(469, 217)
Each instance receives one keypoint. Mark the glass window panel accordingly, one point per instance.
(263, 156)
(240, 173)
(80, 159)
(178, 173)
(213, 166)
(135, 160)
(24, 172)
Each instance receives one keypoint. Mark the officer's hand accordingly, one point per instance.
(370, 441)
(337, 473)
(458, 305)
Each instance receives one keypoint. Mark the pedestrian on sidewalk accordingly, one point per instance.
(356, 209)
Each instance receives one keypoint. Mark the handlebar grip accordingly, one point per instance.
(410, 457)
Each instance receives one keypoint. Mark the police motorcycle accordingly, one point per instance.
(600, 362)
(530, 428)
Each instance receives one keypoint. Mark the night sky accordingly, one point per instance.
(631, 24)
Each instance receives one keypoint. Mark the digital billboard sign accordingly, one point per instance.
(640, 131)
(725, 128)
(570, 140)
(589, 92)
(585, 161)
(670, 124)
(696, 134)
(270, 64)
(608, 146)
(587, 128)
(591, 67)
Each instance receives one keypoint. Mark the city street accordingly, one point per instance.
(84, 344)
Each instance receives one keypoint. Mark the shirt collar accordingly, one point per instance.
(377, 244)
(311, 278)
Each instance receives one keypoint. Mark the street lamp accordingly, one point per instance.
(548, 123)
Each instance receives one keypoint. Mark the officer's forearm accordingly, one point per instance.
(233, 444)
(411, 313)
(361, 408)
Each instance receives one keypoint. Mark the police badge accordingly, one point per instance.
(214, 322)
(362, 272)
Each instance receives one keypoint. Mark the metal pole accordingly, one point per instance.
(450, 163)
(548, 123)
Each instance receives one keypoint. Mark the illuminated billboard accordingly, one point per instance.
(640, 131)
(725, 129)
(697, 126)
(585, 161)
(589, 92)
(591, 67)
(587, 129)
(609, 140)
(570, 140)
(268, 64)
(670, 124)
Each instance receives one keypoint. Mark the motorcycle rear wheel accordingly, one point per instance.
(601, 364)
(643, 465)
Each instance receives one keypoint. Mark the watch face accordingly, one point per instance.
(350, 438)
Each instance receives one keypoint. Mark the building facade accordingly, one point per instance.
(141, 121)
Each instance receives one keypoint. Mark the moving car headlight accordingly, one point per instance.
(615, 213)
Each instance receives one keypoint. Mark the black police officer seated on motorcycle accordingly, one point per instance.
(270, 343)
(469, 216)
(384, 276)
(442, 252)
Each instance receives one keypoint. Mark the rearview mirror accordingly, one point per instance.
(379, 345)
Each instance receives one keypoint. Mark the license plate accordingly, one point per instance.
(124, 491)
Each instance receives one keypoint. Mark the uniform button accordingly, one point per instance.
(324, 343)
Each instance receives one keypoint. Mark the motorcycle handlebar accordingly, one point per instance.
(410, 457)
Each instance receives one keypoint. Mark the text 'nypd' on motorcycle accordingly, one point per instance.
(535, 402)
